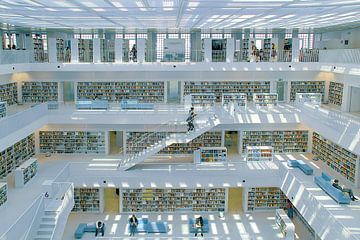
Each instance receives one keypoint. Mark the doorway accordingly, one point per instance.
(68, 92)
(112, 202)
(116, 142)
(281, 87)
(235, 200)
(231, 142)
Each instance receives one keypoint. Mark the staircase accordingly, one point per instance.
(47, 226)
(202, 125)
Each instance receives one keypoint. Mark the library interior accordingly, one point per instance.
(180, 119)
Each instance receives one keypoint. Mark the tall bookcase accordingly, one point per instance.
(338, 158)
(265, 198)
(15, 155)
(70, 142)
(87, 200)
(3, 193)
(174, 199)
(40, 47)
(116, 91)
(25, 172)
(282, 141)
(63, 50)
(2, 109)
(307, 87)
(220, 87)
(8, 93)
(39, 91)
(86, 53)
(336, 93)
(245, 50)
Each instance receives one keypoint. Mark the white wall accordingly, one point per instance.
(355, 99)
(336, 39)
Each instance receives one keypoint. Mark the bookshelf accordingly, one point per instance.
(264, 198)
(40, 47)
(265, 99)
(8, 93)
(220, 87)
(307, 87)
(245, 49)
(3, 193)
(70, 142)
(339, 159)
(210, 155)
(239, 99)
(116, 91)
(39, 91)
(25, 172)
(286, 226)
(313, 98)
(63, 50)
(86, 50)
(336, 93)
(259, 153)
(107, 50)
(2, 109)
(172, 200)
(282, 141)
(200, 99)
(87, 200)
(15, 155)
(267, 49)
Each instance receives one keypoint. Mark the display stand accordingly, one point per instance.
(2, 109)
(312, 98)
(201, 99)
(259, 153)
(307, 87)
(286, 226)
(3, 193)
(25, 172)
(265, 99)
(210, 155)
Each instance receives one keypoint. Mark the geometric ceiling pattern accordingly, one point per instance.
(184, 14)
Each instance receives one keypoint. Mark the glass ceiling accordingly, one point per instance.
(186, 14)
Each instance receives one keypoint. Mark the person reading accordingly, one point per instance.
(99, 228)
(199, 224)
(133, 225)
(335, 184)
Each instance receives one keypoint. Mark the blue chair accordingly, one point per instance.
(324, 182)
(85, 227)
(302, 165)
(193, 229)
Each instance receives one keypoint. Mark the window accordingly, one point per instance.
(205, 35)
(311, 40)
(141, 35)
(119, 35)
(288, 35)
(227, 35)
(173, 36)
(269, 35)
(260, 35)
(186, 36)
(129, 36)
(217, 36)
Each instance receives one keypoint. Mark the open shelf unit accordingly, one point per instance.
(307, 87)
(210, 155)
(87, 200)
(70, 142)
(63, 50)
(15, 155)
(174, 199)
(8, 93)
(39, 91)
(40, 47)
(282, 141)
(200, 99)
(267, 49)
(259, 153)
(3, 193)
(286, 226)
(220, 87)
(245, 49)
(86, 50)
(262, 198)
(340, 159)
(239, 99)
(336, 93)
(2, 109)
(116, 91)
(25, 172)
(265, 99)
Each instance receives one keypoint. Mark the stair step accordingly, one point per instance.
(48, 219)
(50, 213)
(43, 237)
(47, 225)
(46, 232)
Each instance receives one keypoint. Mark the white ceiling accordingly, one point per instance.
(186, 14)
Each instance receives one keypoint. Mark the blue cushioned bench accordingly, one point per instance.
(302, 165)
(141, 227)
(134, 104)
(83, 228)
(193, 229)
(324, 181)
(92, 104)
(157, 227)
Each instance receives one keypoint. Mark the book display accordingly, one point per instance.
(8, 93)
(265, 99)
(210, 155)
(86, 50)
(25, 172)
(3, 193)
(267, 50)
(218, 50)
(286, 226)
(336, 157)
(239, 99)
(221, 87)
(200, 99)
(39, 91)
(281, 141)
(307, 87)
(116, 91)
(262, 153)
(2, 109)
(15, 155)
(263, 198)
(87, 200)
(336, 93)
(70, 142)
(174, 199)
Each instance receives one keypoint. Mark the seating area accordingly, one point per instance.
(145, 226)
(83, 228)
(193, 229)
(92, 104)
(324, 181)
(134, 104)
(301, 165)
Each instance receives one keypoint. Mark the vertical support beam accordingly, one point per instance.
(141, 45)
(61, 92)
(96, 49)
(75, 92)
(345, 105)
(208, 50)
(288, 91)
(107, 143)
(118, 50)
(151, 54)
(295, 50)
(102, 199)
(124, 142)
(230, 49)
(166, 89)
(310, 143)
(37, 142)
(52, 50)
(226, 200)
(195, 43)
(19, 92)
(357, 172)
(245, 199)
(326, 93)
(222, 138)
(74, 50)
(182, 92)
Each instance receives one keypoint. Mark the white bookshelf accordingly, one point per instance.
(200, 99)
(210, 155)
(86, 53)
(173, 200)
(116, 91)
(336, 93)
(3, 109)
(313, 98)
(239, 99)
(286, 226)
(3, 193)
(39, 91)
(338, 158)
(307, 87)
(72, 142)
(8, 93)
(265, 198)
(265, 99)
(15, 155)
(87, 200)
(40, 50)
(25, 172)
(285, 141)
(259, 153)
(63, 50)
(245, 49)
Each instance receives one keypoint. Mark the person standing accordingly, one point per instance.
(99, 228)
(290, 209)
(133, 225)
(190, 119)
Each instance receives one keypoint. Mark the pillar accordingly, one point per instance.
(326, 93)
(75, 92)
(107, 143)
(96, 50)
(288, 91)
(61, 92)
(141, 46)
(37, 142)
(207, 50)
(195, 43)
(295, 50)
(151, 54)
(273, 86)
(230, 49)
(118, 50)
(52, 50)
(19, 92)
(345, 105)
(74, 50)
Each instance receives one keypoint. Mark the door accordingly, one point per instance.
(173, 92)
(235, 200)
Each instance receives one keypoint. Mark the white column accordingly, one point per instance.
(37, 142)
(118, 50)
(357, 172)
(166, 88)
(182, 92)
(288, 91)
(309, 149)
(61, 92)
(75, 92)
(52, 50)
(96, 49)
(107, 143)
(207, 49)
(345, 105)
(295, 50)
(19, 92)
(102, 199)
(273, 86)
(29, 45)
(141, 46)
(74, 50)
(222, 138)
(245, 198)
(230, 49)
(326, 93)
(124, 142)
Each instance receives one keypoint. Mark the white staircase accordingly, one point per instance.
(47, 226)
(201, 126)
